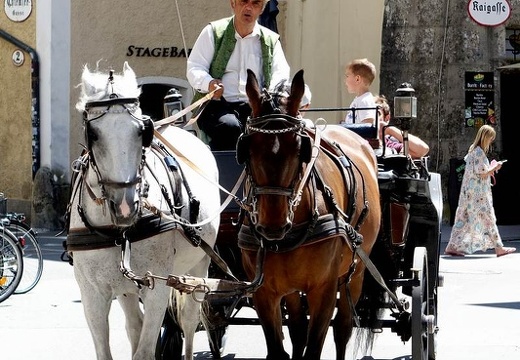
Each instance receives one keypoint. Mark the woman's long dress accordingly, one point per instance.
(475, 225)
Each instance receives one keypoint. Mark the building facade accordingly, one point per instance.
(432, 45)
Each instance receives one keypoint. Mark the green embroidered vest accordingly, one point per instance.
(224, 37)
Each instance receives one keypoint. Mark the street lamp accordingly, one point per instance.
(173, 104)
(405, 110)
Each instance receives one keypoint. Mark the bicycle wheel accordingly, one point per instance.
(32, 255)
(11, 264)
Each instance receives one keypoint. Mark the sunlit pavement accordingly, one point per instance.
(478, 315)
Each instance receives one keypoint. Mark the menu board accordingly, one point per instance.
(480, 94)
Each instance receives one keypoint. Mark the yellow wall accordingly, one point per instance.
(320, 39)
(15, 110)
(104, 30)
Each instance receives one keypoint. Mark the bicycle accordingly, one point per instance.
(11, 263)
(28, 243)
(32, 254)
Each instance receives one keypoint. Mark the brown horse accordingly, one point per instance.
(310, 204)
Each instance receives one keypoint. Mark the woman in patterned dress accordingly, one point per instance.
(475, 226)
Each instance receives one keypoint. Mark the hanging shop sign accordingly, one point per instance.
(18, 10)
(480, 96)
(489, 12)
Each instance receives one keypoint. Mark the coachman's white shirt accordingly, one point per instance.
(246, 55)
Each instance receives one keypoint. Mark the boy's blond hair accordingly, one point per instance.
(363, 68)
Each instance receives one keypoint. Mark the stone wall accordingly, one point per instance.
(431, 45)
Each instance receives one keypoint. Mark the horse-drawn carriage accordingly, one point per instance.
(324, 225)
(401, 280)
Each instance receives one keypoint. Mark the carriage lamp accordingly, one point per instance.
(173, 104)
(405, 110)
(405, 103)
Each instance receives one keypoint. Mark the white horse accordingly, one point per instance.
(130, 186)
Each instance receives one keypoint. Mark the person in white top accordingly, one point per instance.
(359, 75)
(220, 57)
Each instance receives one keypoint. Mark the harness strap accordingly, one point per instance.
(308, 170)
(217, 260)
(193, 201)
(126, 270)
(173, 176)
(231, 195)
(111, 102)
(377, 276)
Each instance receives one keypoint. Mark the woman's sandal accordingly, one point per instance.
(507, 251)
(453, 253)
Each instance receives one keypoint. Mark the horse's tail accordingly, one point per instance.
(364, 339)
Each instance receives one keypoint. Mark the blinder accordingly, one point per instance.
(242, 153)
(305, 149)
(147, 131)
(146, 123)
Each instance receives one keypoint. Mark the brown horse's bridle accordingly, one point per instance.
(293, 193)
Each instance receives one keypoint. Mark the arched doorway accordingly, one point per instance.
(153, 91)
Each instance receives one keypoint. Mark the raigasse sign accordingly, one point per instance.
(490, 12)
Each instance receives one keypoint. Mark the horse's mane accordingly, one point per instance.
(95, 85)
(281, 92)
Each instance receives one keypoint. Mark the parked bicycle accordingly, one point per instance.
(28, 243)
(32, 253)
(11, 263)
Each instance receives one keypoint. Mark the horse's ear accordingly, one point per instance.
(88, 82)
(127, 70)
(253, 92)
(297, 91)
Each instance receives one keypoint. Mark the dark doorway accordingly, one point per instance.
(152, 100)
(506, 192)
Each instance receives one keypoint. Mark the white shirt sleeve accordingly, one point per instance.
(199, 61)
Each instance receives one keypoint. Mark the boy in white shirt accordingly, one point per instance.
(359, 75)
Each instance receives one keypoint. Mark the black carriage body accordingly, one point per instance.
(411, 203)
(403, 182)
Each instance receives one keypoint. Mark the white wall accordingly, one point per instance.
(323, 36)
(53, 45)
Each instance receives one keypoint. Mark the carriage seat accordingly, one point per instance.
(366, 131)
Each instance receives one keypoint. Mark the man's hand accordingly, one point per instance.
(214, 84)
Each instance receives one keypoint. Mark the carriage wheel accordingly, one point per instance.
(170, 342)
(422, 320)
(432, 335)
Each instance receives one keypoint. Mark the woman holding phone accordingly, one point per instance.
(475, 227)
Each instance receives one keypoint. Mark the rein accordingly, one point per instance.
(308, 170)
